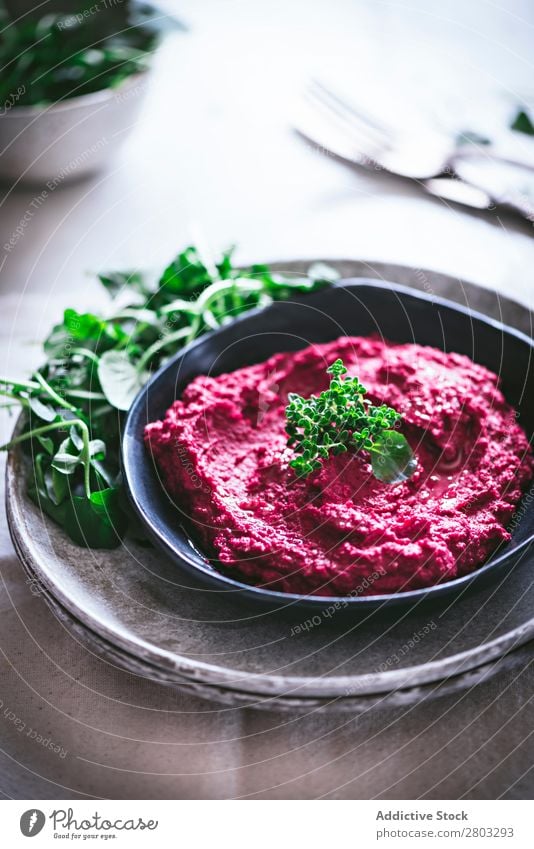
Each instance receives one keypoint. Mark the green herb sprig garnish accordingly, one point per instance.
(342, 419)
(95, 366)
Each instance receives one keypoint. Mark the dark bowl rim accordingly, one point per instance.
(210, 574)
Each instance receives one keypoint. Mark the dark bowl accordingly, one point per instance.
(353, 308)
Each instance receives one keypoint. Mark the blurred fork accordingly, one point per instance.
(419, 153)
(340, 129)
(417, 157)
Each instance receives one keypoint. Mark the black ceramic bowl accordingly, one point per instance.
(352, 308)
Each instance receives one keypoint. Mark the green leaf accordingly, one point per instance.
(119, 281)
(97, 449)
(83, 326)
(40, 463)
(522, 123)
(86, 329)
(225, 266)
(42, 411)
(98, 522)
(59, 484)
(40, 491)
(107, 477)
(44, 502)
(47, 443)
(185, 276)
(119, 379)
(76, 440)
(65, 463)
(67, 457)
(392, 458)
(471, 137)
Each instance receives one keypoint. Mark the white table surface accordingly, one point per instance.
(214, 154)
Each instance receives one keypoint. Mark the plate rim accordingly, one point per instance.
(358, 703)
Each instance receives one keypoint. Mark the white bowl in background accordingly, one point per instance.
(66, 140)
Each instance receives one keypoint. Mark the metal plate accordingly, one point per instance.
(132, 598)
(393, 701)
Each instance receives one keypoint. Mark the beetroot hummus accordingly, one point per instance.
(222, 453)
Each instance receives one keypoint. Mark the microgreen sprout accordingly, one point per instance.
(96, 365)
(341, 419)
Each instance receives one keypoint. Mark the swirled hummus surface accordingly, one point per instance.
(222, 454)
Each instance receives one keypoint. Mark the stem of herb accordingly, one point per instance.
(85, 352)
(153, 349)
(54, 395)
(40, 431)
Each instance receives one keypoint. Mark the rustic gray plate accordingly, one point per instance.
(131, 599)
(392, 701)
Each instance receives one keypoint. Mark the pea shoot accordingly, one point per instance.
(95, 365)
(342, 419)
